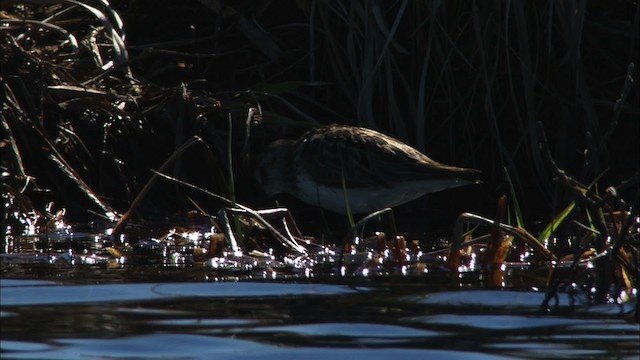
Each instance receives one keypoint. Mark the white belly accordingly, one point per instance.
(367, 200)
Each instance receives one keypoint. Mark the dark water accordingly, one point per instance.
(183, 313)
(71, 298)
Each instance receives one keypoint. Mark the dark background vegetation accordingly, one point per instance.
(464, 81)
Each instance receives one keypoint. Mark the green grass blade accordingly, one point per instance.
(516, 205)
(559, 219)
(555, 223)
(346, 200)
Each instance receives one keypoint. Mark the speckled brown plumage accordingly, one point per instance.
(375, 167)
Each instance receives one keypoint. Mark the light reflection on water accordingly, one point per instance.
(275, 320)
(183, 346)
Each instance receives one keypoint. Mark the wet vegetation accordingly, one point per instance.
(130, 132)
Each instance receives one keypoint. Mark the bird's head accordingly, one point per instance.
(274, 170)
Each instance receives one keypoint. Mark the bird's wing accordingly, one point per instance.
(363, 158)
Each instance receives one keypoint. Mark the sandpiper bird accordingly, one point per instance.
(373, 170)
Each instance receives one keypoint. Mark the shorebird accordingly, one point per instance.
(329, 164)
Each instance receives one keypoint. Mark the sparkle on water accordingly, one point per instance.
(168, 297)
